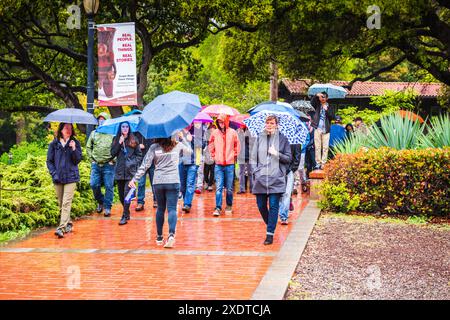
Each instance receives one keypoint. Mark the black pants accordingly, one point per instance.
(122, 186)
(208, 172)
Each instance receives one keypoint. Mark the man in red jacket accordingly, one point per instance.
(224, 148)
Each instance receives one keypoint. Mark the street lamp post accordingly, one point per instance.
(91, 7)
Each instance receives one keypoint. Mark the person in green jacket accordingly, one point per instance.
(102, 166)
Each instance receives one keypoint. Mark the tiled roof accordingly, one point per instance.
(368, 88)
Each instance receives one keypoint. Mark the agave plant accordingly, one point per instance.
(351, 144)
(396, 132)
(438, 135)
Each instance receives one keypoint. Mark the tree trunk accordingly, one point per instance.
(273, 81)
(20, 131)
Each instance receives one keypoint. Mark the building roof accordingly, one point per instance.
(368, 88)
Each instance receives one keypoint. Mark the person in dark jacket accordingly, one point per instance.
(63, 157)
(321, 122)
(144, 145)
(271, 157)
(125, 147)
(285, 201)
(246, 140)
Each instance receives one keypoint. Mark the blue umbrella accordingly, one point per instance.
(134, 111)
(71, 115)
(334, 92)
(290, 126)
(168, 113)
(111, 126)
(274, 107)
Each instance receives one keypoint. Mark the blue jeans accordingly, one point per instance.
(103, 175)
(285, 200)
(142, 181)
(270, 216)
(224, 176)
(188, 178)
(166, 196)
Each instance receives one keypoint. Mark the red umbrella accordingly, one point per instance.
(239, 118)
(215, 109)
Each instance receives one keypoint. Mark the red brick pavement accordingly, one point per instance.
(213, 258)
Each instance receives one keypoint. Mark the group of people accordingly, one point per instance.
(193, 160)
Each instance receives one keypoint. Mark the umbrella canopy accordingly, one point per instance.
(168, 113)
(112, 126)
(215, 109)
(239, 119)
(290, 126)
(410, 115)
(302, 106)
(203, 117)
(334, 92)
(273, 106)
(134, 111)
(71, 115)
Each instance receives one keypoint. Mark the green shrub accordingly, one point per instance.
(22, 151)
(438, 135)
(37, 206)
(338, 198)
(413, 182)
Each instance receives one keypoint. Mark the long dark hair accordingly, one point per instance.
(166, 143)
(132, 140)
(61, 127)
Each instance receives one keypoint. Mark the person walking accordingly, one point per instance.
(144, 145)
(224, 147)
(245, 169)
(285, 201)
(190, 164)
(126, 148)
(320, 121)
(165, 154)
(208, 170)
(63, 157)
(98, 149)
(271, 156)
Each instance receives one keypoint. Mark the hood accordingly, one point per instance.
(104, 115)
(226, 120)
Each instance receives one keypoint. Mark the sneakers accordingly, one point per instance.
(107, 213)
(180, 195)
(69, 228)
(59, 233)
(139, 207)
(124, 220)
(198, 191)
(216, 212)
(99, 208)
(284, 222)
(228, 210)
(210, 188)
(295, 191)
(186, 209)
(269, 240)
(170, 241)
(159, 240)
(155, 205)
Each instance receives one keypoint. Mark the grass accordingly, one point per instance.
(411, 220)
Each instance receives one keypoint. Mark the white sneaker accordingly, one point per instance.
(228, 210)
(159, 240)
(170, 242)
(216, 212)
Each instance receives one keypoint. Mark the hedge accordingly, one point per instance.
(388, 181)
(37, 205)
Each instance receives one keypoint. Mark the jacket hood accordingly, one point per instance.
(104, 115)
(225, 119)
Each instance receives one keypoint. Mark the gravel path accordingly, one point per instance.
(361, 258)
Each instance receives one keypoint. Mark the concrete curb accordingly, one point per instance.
(275, 282)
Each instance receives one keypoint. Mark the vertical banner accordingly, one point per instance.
(117, 82)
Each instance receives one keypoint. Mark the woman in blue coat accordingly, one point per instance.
(63, 157)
